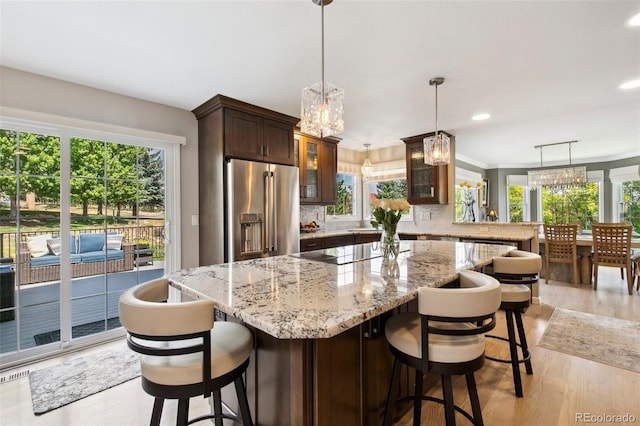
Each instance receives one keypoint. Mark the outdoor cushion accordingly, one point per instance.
(54, 245)
(50, 259)
(38, 245)
(114, 241)
(98, 256)
(90, 242)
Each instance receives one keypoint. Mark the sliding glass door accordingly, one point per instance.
(82, 218)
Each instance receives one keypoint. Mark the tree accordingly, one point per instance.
(344, 205)
(8, 179)
(631, 204)
(516, 204)
(151, 173)
(575, 205)
(392, 189)
(87, 173)
(36, 158)
(121, 175)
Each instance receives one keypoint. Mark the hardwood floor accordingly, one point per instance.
(561, 387)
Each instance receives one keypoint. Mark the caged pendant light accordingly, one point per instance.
(322, 107)
(437, 147)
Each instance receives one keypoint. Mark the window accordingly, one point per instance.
(80, 186)
(346, 205)
(391, 188)
(465, 204)
(630, 204)
(581, 205)
(626, 195)
(518, 204)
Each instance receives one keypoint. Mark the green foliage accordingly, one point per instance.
(344, 206)
(576, 205)
(516, 201)
(38, 159)
(102, 173)
(631, 204)
(151, 173)
(392, 189)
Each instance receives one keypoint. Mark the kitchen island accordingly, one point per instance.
(318, 318)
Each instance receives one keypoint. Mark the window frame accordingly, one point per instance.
(595, 176)
(519, 181)
(366, 209)
(357, 194)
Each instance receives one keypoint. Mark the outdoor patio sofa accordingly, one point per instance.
(39, 256)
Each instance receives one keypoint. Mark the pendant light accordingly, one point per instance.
(437, 147)
(322, 103)
(557, 180)
(367, 166)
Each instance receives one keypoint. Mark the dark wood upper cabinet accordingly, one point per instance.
(425, 184)
(329, 172)
(251, 132)
(318, 163)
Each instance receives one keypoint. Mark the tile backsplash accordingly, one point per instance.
(425, 217)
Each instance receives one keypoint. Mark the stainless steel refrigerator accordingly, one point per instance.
(262, 210)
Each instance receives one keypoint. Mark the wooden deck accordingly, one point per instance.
(40, 307)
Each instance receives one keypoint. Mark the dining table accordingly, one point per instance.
(584, 250)
(318, 317)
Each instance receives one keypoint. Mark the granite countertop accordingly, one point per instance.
(299, 297)
(477, 232)
(471, 235)
(321, 233)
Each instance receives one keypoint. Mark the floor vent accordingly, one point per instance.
(14, 376)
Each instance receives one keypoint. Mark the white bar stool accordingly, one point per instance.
(516, 272)
(445, 337)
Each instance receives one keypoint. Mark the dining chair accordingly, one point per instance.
(612, 247)
(184, 354)
(560, 246)
(445, 337)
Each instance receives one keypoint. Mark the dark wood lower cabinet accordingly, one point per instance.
(341, 380)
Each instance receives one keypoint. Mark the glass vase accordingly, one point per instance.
(469, 213)
(390, 270)
(389, 244)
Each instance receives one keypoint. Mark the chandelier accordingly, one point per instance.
(367, 166)
(557, 180)
(436, 147)
(322, 103)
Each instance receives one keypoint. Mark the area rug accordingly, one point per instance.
(603, 339)
(63, 384)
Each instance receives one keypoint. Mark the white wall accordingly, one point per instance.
(34, 92)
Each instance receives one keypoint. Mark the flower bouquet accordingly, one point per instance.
(387, 213)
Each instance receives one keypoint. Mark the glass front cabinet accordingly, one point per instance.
(425, 184)
(318, 163)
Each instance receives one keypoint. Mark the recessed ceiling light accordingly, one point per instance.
(632, 84)
(635, 21)
(479, 117)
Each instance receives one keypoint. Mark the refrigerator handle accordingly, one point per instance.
(267, 215)
(274, 213)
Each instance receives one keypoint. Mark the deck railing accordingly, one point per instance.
(153, 236)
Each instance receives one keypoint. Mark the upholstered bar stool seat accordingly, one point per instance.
(516, 272)
(515, 293)
(183, 353)
(445, 337)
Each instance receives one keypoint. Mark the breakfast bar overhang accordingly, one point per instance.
(320, 355)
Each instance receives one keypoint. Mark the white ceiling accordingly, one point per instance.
(547, 71)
